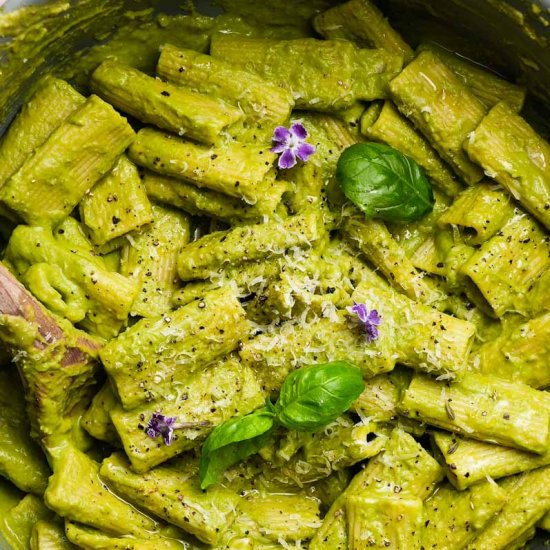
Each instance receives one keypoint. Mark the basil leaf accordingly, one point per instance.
(312, 397)
(384, 183)
(232, 442)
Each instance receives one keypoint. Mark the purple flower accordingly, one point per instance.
(291, 142)
(165, 426)
(370, 319)
(161, 425)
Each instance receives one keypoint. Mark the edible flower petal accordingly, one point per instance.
(287, 159)
(161, 425)
(165, 426)
(304, 151)
(281, 134)
(370, 319)
(298, 131)
(291, 145)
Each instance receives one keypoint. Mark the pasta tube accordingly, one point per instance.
(323, 75)
(76, 155)
(442, 108)
(49, 534)
(278, 516)
(236, 169)
(150, 258)
(117, 205)
(93, 539)
(507, 266)
(200, 258)
(481, 81)
(168, 348)
(481, 407)
(249, 278)
(528, 502)
(467, 461)
(453, 518)
(264, 105)
(179, 110)
(381, 522)
(511, 152)
(75, 492)
(52, 102)
(205, 202)
(480, 212)
(173, 494)
(376, 242)
(361, 22)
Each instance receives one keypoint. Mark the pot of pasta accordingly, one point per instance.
(274, 275)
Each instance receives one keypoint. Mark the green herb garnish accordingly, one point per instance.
(384, 183)
(314, 397)
(232, 442)
(310, 398)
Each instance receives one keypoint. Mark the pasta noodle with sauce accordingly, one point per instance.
(223, 344)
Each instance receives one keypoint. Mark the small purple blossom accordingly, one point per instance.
(161, 425)
(165, 426)
(291, 142)
(370, 320)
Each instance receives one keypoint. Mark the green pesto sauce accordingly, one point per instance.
(47, 38)
(70, 41)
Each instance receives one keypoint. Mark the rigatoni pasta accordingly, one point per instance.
(361, 22)
(286, 337)
(150, 258)
(50, 183)
(242, 244)
(468, 462)
(117, 205)
(52, 102)
(360, 73)
(442, 107)
(479, 212)
(452, 519)
(506, 267)
(263, 104)
(183, 112)
(489, 87)
(522, 170)
(482, 407)
(386, 124)
(237, 169)
(191, 337)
